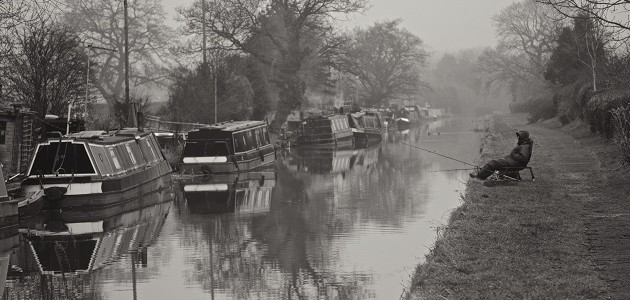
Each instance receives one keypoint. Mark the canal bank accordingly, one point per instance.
(561, 236)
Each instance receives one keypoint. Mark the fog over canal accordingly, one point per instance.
(348, 224)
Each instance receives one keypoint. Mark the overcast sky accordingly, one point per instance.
(445, 26)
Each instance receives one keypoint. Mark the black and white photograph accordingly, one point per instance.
(314, 149)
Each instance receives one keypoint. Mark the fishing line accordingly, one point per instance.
(436, 153)
(445, 156)
(448, 170)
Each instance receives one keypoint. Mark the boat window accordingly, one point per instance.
(216, 148)
(266, 135)
(112, 153)
(239, 142)
(133, 159)
(251, 140)
(62, 158)
(148, 151)
(259, 139)
(153, 154)
(155, 145)
(205, 148)
(193, 149)
(100, 156)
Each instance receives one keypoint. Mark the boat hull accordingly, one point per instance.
(101, 193)
(327, 141)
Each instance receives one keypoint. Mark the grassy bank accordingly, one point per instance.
(512, 242)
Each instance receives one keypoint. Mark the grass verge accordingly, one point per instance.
(511, 242)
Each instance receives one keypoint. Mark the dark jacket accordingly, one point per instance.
(521, 154)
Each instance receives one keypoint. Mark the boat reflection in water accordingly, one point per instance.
(241, 193)
(9, 242)
(59, 253)
(331, 161)
(218, 215)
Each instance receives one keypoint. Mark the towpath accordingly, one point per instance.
(564, 236)
(599, 189)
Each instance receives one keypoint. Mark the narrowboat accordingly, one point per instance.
(228, 147)
(96, 169)
(331, 131)
(248, 193)
(413, 114)
(367, 128)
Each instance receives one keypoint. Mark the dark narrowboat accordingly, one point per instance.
(332, 131)
(228, 147)
(96, 169)
(372, 126)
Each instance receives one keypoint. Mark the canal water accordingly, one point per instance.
(320, 225)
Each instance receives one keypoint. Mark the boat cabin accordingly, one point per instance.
(105, 165)
(227, 147)
(95, 154)
(332, 131)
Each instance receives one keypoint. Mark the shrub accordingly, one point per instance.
(173, 155)
(543, 107)
(599, 108)
(573, 99)
(621, 137)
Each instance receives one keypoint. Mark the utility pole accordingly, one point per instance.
(203, 31)
(126, 33)
(214, 63)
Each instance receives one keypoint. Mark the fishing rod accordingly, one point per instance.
(455, 159)
(448, 170)
(436, 153)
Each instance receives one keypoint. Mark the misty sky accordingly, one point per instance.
(445, 26)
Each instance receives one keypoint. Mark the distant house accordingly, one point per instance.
(16, 139)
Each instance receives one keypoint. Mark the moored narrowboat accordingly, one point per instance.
(96, 169)
(328, 132)
(228, 147)
(413, 114)
(372, 126)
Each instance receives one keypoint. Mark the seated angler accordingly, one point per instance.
(516, 161)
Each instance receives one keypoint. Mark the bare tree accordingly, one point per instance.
(13, 15)
(530, 29)
(387, 61)
(527, 36)
(49, 68)
(101, 24)
(282, 34)
(612, 15)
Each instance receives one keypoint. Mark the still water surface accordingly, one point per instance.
(346, 224)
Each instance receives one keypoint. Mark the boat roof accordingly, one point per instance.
(232, 125)
(103, 137)
(321, 117)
